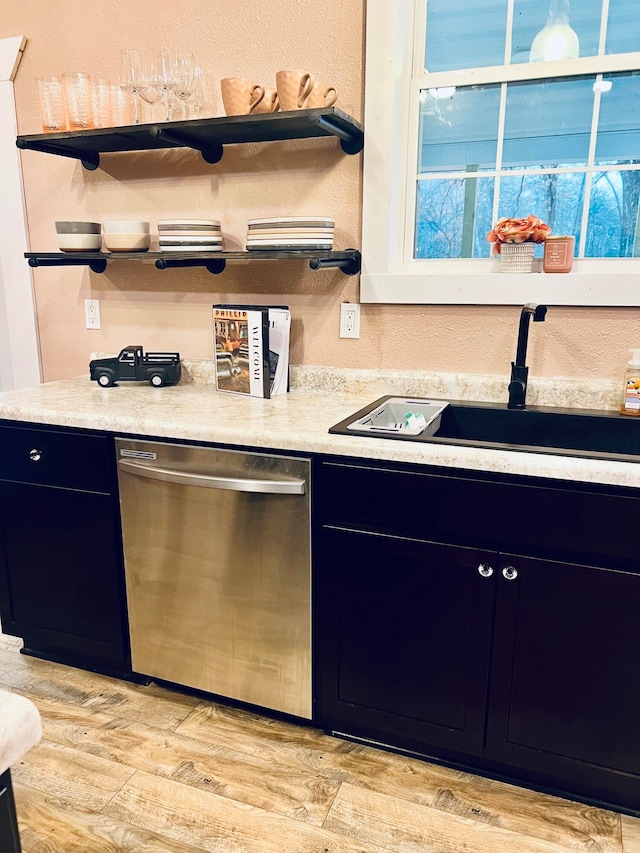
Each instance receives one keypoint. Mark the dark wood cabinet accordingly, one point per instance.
(408, 626)
(565, 690)
(521, 665)
(61, 568)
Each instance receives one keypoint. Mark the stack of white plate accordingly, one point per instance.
(189, 235)
(287, 233)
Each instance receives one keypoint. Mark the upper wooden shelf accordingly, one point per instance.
(207, 135)
(347, 260)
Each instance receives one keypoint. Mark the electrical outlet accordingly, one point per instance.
(349, 320)
(92, 314)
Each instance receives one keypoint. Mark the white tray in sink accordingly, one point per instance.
(390, 417)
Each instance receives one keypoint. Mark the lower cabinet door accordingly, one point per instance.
(565, 681)
(403, 639)
(61, 584)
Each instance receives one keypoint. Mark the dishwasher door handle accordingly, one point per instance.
(211, 481)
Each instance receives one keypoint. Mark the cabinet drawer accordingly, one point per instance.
(525, 517)
(56, 458)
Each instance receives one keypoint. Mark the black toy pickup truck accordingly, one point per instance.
(157, 368)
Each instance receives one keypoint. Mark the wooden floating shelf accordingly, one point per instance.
(215, 262)
(207, 135)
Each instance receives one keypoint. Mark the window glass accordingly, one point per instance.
(619, 119)
(556, 198)
(551, 18)
(463, 34)
(548, 123)
(458, 128)
(614, 230)
(623, 28)
(537, 138)
(454, 216)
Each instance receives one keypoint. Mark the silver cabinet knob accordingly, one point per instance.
(485, 570)
(35, 455)
(509, 573)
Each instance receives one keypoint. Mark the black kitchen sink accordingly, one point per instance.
(570, 432)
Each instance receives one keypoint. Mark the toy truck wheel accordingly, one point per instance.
(157, 380)
(104, 380)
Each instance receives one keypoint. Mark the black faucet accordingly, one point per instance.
(519, 371)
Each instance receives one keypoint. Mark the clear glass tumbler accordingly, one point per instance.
(52, 106)
(121, 106)
(101, 102)
(77, 95)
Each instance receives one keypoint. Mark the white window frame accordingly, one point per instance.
(19, 352)
(393, 77)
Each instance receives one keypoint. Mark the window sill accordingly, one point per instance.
(496, 288)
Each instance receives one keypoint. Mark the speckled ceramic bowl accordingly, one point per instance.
(134, 242)
(126, 226)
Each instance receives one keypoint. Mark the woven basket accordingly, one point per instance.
(516, 257)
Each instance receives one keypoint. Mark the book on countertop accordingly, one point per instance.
(252, 349)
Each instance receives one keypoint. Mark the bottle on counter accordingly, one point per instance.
(631, 391)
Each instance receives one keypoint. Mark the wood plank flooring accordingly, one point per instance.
(126, 768)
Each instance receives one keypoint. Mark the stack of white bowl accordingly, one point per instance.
(189, 235)
(126, 235)
(287, 233)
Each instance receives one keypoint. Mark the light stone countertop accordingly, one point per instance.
(20, 727)
(299, 421)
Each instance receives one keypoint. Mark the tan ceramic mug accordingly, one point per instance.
(321, 95)
(294, 87)
(268, 104)
(240, 95)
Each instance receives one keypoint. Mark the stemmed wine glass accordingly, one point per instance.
(202, 97)
(130, 78)
(164, 71)
(183, 79)
(150, 87)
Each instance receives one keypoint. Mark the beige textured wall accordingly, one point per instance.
(171, 309)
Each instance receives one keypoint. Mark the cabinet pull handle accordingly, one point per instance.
(35, 455)
(509, 573)
(485, 570)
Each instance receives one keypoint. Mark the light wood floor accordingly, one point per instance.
(125, 768)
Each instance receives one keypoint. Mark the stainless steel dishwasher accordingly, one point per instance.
(217, 547)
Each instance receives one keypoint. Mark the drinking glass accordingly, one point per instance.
(164, 67)
(101, 102)
(77, 96)
(183, 79)
(150, 87)
(130, 78)
(203, 96)
(52, 107)
(121, 106)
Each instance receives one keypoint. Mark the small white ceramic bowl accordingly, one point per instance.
(131, 226)
(127, 242)
(79, 242)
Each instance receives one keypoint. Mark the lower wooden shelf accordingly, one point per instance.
(215, 262)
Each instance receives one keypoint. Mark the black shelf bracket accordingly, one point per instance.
(212, 265)
(351, 141)
(89, 159)
(349, 266)
(94, 264)
(211, 151)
